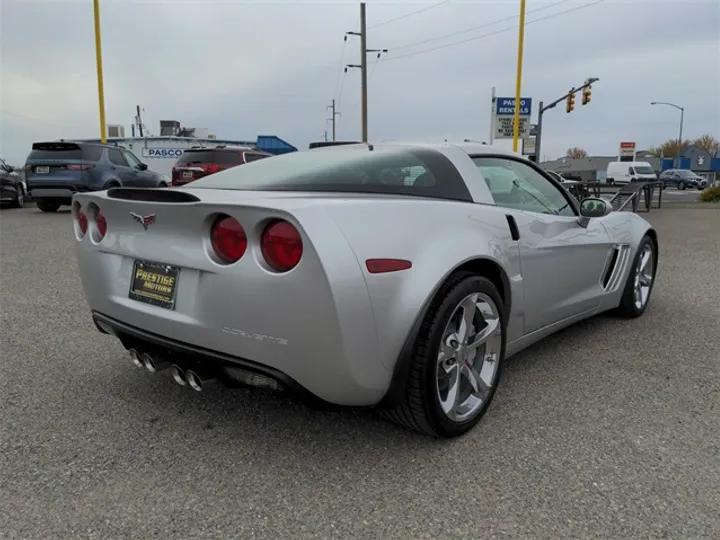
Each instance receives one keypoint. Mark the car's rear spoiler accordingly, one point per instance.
(59, 146)
(323, 144)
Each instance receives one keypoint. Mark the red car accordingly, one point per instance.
(198, 162)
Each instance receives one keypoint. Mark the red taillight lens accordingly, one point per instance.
(228, 239)
(82, 220)
(281, 246)
(101, 224)
(78, 167)
(211, 168)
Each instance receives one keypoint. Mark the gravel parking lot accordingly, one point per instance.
(607, 430)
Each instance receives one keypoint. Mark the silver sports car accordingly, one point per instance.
(394, 276)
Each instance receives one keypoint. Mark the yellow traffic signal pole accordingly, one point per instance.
(98, 59)
(518, 82)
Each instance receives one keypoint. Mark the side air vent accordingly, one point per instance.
(161, 195)
(619, 260)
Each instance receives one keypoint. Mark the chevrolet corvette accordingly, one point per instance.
(397, 276)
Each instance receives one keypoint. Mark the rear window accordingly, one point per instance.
(414, 172)
(221, 157)
(68, 152)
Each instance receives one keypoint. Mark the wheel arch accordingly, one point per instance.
(481, 266)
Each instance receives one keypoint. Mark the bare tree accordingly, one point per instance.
(576, 153)
(709, 143)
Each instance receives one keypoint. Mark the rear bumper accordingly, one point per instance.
(45, 193)
(308, 384)
(131, 336)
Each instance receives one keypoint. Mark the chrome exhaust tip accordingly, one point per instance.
(198, 379)
(135, 357)
(178, 375)
(154, 365)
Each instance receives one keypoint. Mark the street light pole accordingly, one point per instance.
(682, 118)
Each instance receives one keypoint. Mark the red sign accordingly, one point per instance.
(627, 148)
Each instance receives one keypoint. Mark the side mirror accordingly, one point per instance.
(142, 167)
(593, 207)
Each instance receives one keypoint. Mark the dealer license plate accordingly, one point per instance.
(154, 283)
(187, 174)
(42, 170)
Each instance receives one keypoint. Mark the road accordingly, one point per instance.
(608, 430)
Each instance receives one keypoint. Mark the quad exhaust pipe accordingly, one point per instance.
(199, 379)
(196, 378)
(153, 363)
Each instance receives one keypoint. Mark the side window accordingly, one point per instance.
(131, 159)
(516, 185)
(631, 171)
(116, 157)
(249, 158)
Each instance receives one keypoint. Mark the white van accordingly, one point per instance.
(624, 172)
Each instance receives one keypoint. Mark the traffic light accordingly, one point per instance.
(570, 102)
(586, 94)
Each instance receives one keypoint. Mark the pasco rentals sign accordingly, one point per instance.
(504, 118)
(150, 152)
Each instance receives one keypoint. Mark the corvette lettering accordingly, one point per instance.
(251, 335)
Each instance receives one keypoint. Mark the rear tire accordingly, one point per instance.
(47, 206)
(441, 356)
(19, 200)
(640, 281)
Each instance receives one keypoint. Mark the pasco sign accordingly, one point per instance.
(504, 118)
(172, 153)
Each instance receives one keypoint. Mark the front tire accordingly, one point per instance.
(457, 359)
(640, 281)
(47, 206)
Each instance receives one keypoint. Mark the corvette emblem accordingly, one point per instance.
(143, 220)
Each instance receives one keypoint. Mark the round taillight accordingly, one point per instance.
(228, 239)
(82, 220)
(281, 246)
(101, 224)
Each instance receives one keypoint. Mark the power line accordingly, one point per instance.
(340, 78)
(410, 14)
(474, 28)
(483, 36)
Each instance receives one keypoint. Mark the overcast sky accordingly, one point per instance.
(244, 68)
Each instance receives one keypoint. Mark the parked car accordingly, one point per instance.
(11, 186)
(682, 178)
(624, 172)
(199, 162)
(59, 169)
(330, 274)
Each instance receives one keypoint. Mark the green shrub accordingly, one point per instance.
(710, 194)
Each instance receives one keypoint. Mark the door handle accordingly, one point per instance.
(514, 230)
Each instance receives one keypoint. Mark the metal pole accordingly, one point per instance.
(333, 120)
(98, 61)
(538, 135)
(363, 70)
(518, 81)
(492, 116)
(682, 115)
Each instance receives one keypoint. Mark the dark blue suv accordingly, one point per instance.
(56, 170)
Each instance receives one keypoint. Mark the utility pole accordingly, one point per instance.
(98, 61)
(325, 136)
(363, 67)
(332, 119)
(139, 121)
